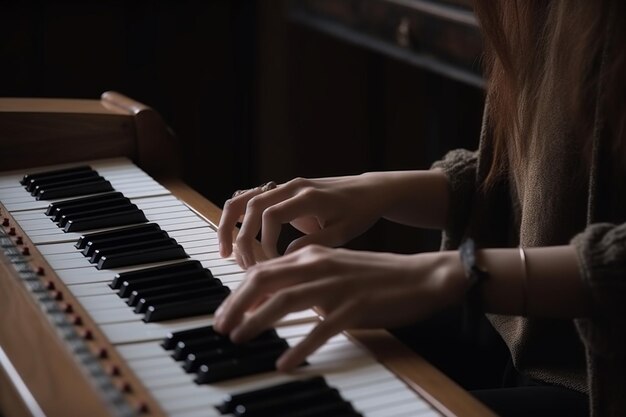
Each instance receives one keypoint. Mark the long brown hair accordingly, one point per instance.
(540, 54)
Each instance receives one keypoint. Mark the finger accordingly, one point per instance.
(234, 208)
(252, 221)
(237, 254)
(281, 213)
(258, 284)
(286, 301)
(336, 322)
(331, 236)
(307, 224)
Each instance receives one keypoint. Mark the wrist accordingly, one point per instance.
(450, 276)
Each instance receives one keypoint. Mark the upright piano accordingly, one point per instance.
(109, 275)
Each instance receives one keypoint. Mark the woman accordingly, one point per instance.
(548, 177)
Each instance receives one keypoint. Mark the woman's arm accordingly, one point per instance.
(548, 284)
(331, 211)
(420, 199)
(358, 289)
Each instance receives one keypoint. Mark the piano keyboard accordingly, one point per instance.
(146, 268)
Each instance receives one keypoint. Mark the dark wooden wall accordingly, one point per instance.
(252, 95)
(325, 107)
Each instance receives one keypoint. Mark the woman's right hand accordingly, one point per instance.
(330, 211)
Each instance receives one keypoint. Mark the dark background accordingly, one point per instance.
(253, 94)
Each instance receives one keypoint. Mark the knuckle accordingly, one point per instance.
(317, 256)
(242, 241)
(256, 276)
(299, 182)
(253, 204)
(310, 192)
(315, 250)
(270, 214)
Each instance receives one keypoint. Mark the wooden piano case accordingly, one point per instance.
(43, 372)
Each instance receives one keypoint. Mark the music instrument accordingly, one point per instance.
(109, 274)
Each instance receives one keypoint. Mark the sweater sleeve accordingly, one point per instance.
(460, 167)
(601, 250)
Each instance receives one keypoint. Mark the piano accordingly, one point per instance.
(109, 274)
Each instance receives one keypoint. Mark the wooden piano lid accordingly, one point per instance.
(43, 131)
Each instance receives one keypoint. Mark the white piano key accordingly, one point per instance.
(140, 350)
(210, 253)
(63, 256)
(100, 302)
(58, 248)
(211, 243)
(115, 315)
(93, 275)
(85, 290)
(196, 412)
(222, 269)
(414, 407)
(384, 401)
(232, 278)
(142, 332)
(206, 231)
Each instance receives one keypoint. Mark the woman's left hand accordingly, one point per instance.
(353, 289)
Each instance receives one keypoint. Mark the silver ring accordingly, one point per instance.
(268, 186)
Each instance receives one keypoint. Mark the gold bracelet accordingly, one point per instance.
(522, 256)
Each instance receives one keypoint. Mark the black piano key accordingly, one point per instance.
(117, 233)
(184, 348)
(182, 309)
(67, 183)
(337, 408)
(163, 286)
(172, 339)
(190, 296)
(145, 256)
(285, 406)
(94, 187)
(122, 218)
(107, 244)
(74, 209)
(94, 212)
(279, 390)
(235, 368)
(38, 183)
(52, 207)
(155, 272)
(156, 242)
(324, 405)
(204, 341)
(196, 359)
(186, 295)
(29, 177)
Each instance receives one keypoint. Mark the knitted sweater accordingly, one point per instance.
(557, 203)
